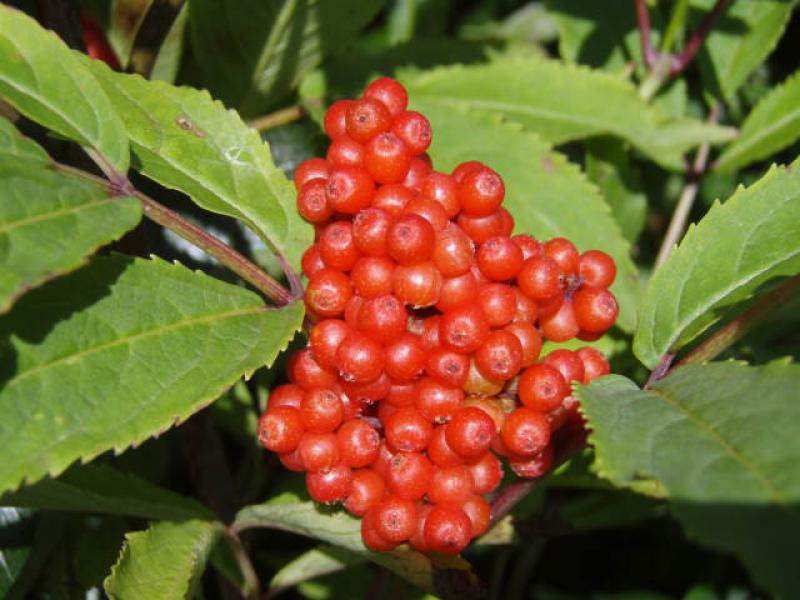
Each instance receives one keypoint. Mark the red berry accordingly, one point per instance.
(390, 92)
(440, 452)
(406, 430)
(529, 245)
(597, 269)
(499, 258)
(441, 188)
(487, 473)
(498, 302)
(481, 192)
(463, 169)
(338, 246)
(345, 152)
(305, 371)
(312, 262)
(280, 429)
(450, 485)
(333, 485)
(366, 490)
(395, 518)
(321, 410)
(458, 290)
(429, 210)
(530, 340)
(359, 359)
(567, 362)
(291, 461)
(387, 158)
(392, 198)
(318, 451)
(447, 367)
(418, 170)
(312, 203)
(405, 357)
(447, 529)
(564, 253)
(417, 285)
(358, 443)
(527, 310)
(477, 383)
(352, 310)
(480, 229)
(414, 129)
(402, 394)
(560, 326)
(328, 292)
(479, 512)
(369, 392)
(463, 328)
(542, 387)
(335, 124)
(372, 276)
(288, 394)
(532, 467)
(308, 170)
(437, 402)
(540, 278)
(383, 318)
(469, 433)
(410, 239)
(350, 189)
(500, 355)
(525, 432)
(453, 252)
(370, 536)
(370, 227)
(408, 475)
(596, 309)
(417, 541)
(594, 364)
(366, 118)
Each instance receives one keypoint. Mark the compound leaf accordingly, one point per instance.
(120, 351)
(736, 248)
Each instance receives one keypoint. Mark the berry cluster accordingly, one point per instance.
(428, 319)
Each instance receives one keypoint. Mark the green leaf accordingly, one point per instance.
(46, 82)
(720, 442)
(168, 59)
(13, 556)
(565, 102)
(187, 141)
(125, 19)
(608, 165)
(773, 125)
(165, 561)
(253, 53)
(102, 489)
(49, 221)
(547, 195)
(119, 351)
(742, 38)
(322, 560)
(734, 250)
(289, 513)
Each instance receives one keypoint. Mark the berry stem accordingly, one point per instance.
(278, 118)
(736, 329)
(250, 586)
(680, 216)
(643, 20)
(699, 36)
(119, 185)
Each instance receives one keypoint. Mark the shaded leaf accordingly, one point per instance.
(734, 250)
(125, 19)
(253, 52)
(168, 59)
(322, 560)
(745, 34)
(565, 102)
(165, 561)
(102, 489)
(772, 125)
(289, 513)
(547, 195)
(47, 83)
(720, 442)
(12, 556)
(187, 141)
(49, 221)
(119, 351)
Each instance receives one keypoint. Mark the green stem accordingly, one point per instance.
(251, 589)
(736, 329)
(677, 23)
(278, 118)
(199, 237)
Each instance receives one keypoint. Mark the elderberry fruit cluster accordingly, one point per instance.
(423, 363)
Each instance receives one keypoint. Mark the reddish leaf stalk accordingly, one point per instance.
(643, 19)
(699, 36)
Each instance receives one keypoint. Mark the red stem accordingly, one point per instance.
(643, 19)
(698, 37)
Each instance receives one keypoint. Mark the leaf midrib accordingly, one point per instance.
(760, 135)
(11, 225)
(133, 338)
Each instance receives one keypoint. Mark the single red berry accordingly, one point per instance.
(469, 433)
(288, 394)
(596, 309)
(479, 512)
(280, 429)
(597, 269)
(387, 158)
(395, 518)
(529, 245)
(463, 169)
(358, 443)
(441, 188)
(429, 210)
(370, 536)
(383, 318)
(498, 302)
(499, 258)
(312, 262)
(335, 122)
(372, 276)
(567, 362)
(385, 456)
(370, 227)
(350, 189)
(365, 393)
(328, 293)
(352, 309)
(414, 129)
(437, 402)
(417, 285)
(561, 326)
(481, 192)
(312, 203)
(406, 430)
(429, 332)
(366, 118)
(292, 461)
(345, 152)
(417, 541)
(500, 355)
(410, 239)
(405, 357)
(305, 371)
(527, 310)
(532, 467)
(447, 529)
(542, 387)
(447, 367)
(360, 358)
(525, 432)
(477, 383)
(463, 328)
(418, 170)
(564, 253)
(318, 451)
(451, 485)
(366, 490)
(392, 198)
(402, 394)
(390, 92)
(540, 278)
(480, 229)
(439, 451)
(594, 364)
(408, 475)
(332, 485)
(487, 473)
(308, 170)
(458, 290)
(506, 222)
(338, 246)
(321, 410)
(493, 406)
(530, 340)
(453, 253)
(548, 308)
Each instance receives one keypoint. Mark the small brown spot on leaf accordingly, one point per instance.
(547, 164)
(187, 124)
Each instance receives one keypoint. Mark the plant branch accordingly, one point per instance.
(680, 215)
(697, 39)
(736, 329)
(119, 185)
(643, 20)
(252, 587)
(677, 21)
(278, 118)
